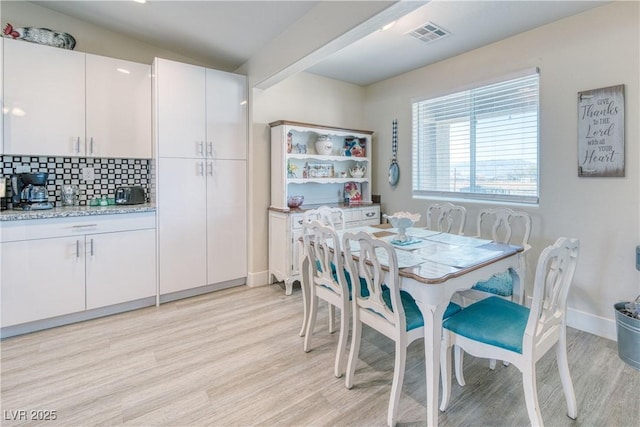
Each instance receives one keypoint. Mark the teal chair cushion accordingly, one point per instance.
(499, 284)
(493, 321)
(364, 291)
(411, 310)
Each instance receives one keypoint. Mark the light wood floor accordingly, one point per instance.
(234, 358)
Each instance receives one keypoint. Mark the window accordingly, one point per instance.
(480, 143)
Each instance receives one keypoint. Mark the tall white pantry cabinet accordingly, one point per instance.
(201, 143)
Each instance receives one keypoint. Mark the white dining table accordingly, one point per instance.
(433, 266)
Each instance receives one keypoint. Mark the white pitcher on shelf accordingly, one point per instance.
(324, 145)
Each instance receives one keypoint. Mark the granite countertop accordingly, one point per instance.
(74, 211)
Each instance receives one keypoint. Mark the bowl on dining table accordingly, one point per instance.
(402, 221)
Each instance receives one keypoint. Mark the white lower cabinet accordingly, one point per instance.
(54, 267)
(285, 230)
(120, 267)
(202, 223)
(41, 279)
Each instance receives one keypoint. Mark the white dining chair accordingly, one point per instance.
(380, 304)
(333, 217)
(446, 217)
(500, 329)
(502, 225)
(327, 281)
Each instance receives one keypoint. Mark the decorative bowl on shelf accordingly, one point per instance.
(357, 171)
(402, 221)
(295, 201)
(324, 145)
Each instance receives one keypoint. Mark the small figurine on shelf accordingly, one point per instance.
(353, 147)
(305, 170)
(289, 142)
(291, 170)
(302, 148)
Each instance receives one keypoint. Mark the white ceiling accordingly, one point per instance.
(232, 32)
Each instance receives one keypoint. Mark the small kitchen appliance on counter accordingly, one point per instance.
(133, 195)
(30, 191)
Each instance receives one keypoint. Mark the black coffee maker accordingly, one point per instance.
(30, 191)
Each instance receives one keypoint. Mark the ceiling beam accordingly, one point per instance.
(325, 29)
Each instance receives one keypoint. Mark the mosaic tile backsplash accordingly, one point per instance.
(108, 175)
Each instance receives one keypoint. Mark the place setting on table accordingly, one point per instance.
(436, 253)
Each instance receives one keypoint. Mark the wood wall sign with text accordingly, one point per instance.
(601, 132)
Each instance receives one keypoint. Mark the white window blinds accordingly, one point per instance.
(480, 143)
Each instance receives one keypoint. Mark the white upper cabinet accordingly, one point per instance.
(118, 108)
(180, 92)
(226, 115)
(202, 113)
(44, 100)
(1, 97)
(64, 103)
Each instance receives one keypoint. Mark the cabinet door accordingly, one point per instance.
(121, 267)
(44, 89)
(41, 278)
(181, 109)
(1, 97)
(296, 251)
(118, 108)
(182, 224)
(226, 220)
(226, 115)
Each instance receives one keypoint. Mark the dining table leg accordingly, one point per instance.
(432, 315)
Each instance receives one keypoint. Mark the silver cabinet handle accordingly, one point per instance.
(200, 148)
(201, 168)
(77, 149)
(91, 247)
(91, 145)
(210, 168)
(84, 226)
(77, 248)
(210, 149)
(370, 214)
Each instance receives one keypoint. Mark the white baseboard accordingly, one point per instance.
(587, 322)
(596, 325)
(258, 279)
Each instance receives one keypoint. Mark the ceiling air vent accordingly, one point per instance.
(428, 33)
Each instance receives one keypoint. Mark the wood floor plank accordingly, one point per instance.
(234, 358)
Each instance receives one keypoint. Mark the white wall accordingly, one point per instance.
(303, 97)
(89, 38)
(595, 49)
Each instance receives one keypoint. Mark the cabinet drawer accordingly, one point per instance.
(351, 215)
(371, 214)
(297, 221)
(71, 226)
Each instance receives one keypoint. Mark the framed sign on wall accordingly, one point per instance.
(601, 132)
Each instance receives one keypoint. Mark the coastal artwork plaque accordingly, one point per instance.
(601, 132)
